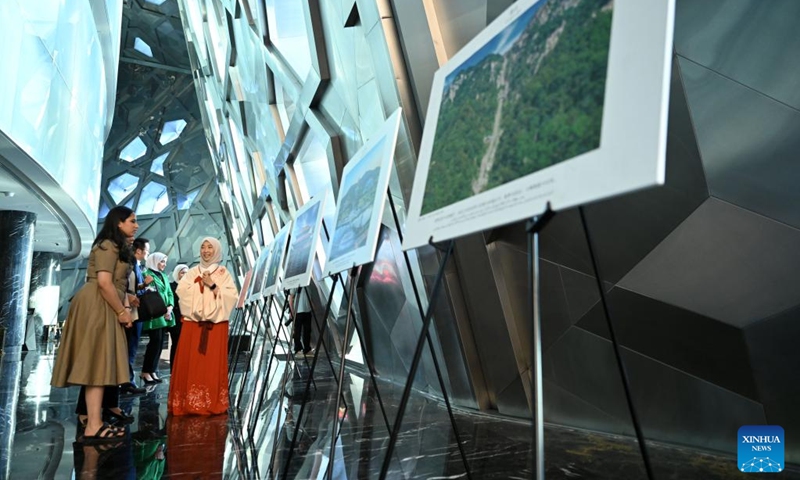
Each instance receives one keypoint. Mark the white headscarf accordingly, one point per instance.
(177, 270)
(153, 260)
(212, 264)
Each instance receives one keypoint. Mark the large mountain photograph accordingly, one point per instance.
(530, 98)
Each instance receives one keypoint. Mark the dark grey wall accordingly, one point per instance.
(701, 273)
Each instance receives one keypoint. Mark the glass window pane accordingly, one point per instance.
(287, 30)
(120, 187)
(185, 199)
(171, 131)
(142, 47)
(153, 199)
(103, 209)
(133, 150)
(158, 164)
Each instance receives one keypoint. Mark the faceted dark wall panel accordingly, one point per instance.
(746, 40)
(697, 345)
(772, 347)
(672, 405)
(748, 141)
(725, 263)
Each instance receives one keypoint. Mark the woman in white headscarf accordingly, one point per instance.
(175, 331)
(208, 295)
(155, 327)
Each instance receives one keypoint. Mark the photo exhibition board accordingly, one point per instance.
(362, 195)
(257, 281)
(560, 101)
(303, 243)
(275, 261)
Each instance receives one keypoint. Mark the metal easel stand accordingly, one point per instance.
(370, 368)
(415, 362)
(235, 323)
(263, 391)
(354, 274)
(533, 227)
(428, 337)
(261, 317)
(242, 318)
(278, 426)
(323, 329)
(617, 352)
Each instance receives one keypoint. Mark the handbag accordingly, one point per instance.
(151, 305)
(131, 291)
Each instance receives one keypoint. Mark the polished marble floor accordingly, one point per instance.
(254, 441)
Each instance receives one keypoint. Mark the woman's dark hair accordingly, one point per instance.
(111, 231)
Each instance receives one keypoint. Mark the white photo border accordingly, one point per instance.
(632, 152)
(366, 253)
(278, 248)
(256, 282)
(304, 278)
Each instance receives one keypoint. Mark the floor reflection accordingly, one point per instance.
(47, 442)
(279, 429)
(196, 446)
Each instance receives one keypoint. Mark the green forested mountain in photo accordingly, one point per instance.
(521, 108)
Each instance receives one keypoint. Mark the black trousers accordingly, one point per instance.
(110, 399)
(153, 352)
(175, 334)
(133, 334)
(302, 330)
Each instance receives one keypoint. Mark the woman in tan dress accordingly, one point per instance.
(94, 350)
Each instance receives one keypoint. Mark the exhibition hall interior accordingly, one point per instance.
(472, 239)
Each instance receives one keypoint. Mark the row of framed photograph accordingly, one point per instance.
(556, 102)
(362, 195)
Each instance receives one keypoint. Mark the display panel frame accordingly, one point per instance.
(632, 149)
(369, 198)
(303, 243)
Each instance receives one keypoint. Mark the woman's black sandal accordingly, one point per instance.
(105, 434)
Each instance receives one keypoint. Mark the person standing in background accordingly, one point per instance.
(301, 312)
(141, 248)
(175, 331)
(199, 383)
(156, 264)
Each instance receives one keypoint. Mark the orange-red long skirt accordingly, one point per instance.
(199, 383)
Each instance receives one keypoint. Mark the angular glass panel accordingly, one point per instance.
(171, 131)
(185, 199)
(158, 164)
(133, 150)
(103, 210)
(219, 42)
(266, 230)
(120, 187)
(156, 2)
(142, 47)
(153, 199)
(287, 30)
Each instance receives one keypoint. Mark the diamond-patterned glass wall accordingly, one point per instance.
(700, 273)
(284, 116)
(157, 160)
